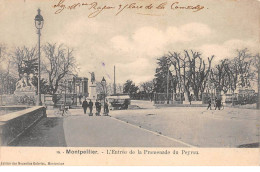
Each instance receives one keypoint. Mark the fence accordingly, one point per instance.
(159, 98)
(162, 98)
(70, 99)
(235, 99)
(11, 99)
(142, 96)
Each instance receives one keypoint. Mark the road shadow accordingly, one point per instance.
(251, 145)
(48, 132)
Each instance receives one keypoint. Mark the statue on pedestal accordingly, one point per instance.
(92, 77)
(27, 70)
(25, 83)
(93, 91)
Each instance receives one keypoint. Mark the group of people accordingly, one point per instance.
(218, 103)
(86, 105)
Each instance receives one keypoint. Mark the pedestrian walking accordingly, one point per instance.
(209, 104)
(190, 98)
(98, 107)
(85, 106)
(215, 102)
(80, 97)
(125, 105)
(106, 109)
(218, 104)
(90, 105)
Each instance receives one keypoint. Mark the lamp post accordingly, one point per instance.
(103, 83)
(258, 80)
(39, 24)
(65, 96)
(167, 86)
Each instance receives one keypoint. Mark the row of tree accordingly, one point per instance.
(189, 72)
(57, 64)
(7, 80)
(185, 72)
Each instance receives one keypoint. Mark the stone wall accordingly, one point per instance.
(14, 124)
(13, 99)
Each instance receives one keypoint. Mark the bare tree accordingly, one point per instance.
(58, 63)
(238, 71)
(243, 62)
(8, 80)
(191, 72)
(178, 63)
(198, 71)
(257, 64)
(2, 53)
(119, 88)
(221, 76)
(109, 89)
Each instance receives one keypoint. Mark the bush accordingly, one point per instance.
(247, 99)
(26, 100)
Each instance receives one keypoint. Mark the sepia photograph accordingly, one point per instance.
(129, 74)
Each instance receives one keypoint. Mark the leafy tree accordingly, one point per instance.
(25, 60)
(44, 87)
(161, 74)
(130, 88)
(147, 87)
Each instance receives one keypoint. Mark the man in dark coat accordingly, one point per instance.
(125, 104)
(90, 105)
(209, 102)
(190, 98)
(85, 106)
(98, 107)
(80, 97)
(218, 104)
(106, 109)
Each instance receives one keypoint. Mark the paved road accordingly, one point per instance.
(165, 127)
(46, 133)
(81, 130)
(196, 126)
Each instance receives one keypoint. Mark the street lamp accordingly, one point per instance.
(39, 24)
(167, 80)
(65, 83)
(103, 83)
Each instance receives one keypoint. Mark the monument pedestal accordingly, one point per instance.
(48, 102)
(92, 92)
(26, 95)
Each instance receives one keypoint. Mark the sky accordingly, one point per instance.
(130, 41)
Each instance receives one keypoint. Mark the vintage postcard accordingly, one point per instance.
(129, 82)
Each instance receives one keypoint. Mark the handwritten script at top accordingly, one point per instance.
(95, 8)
